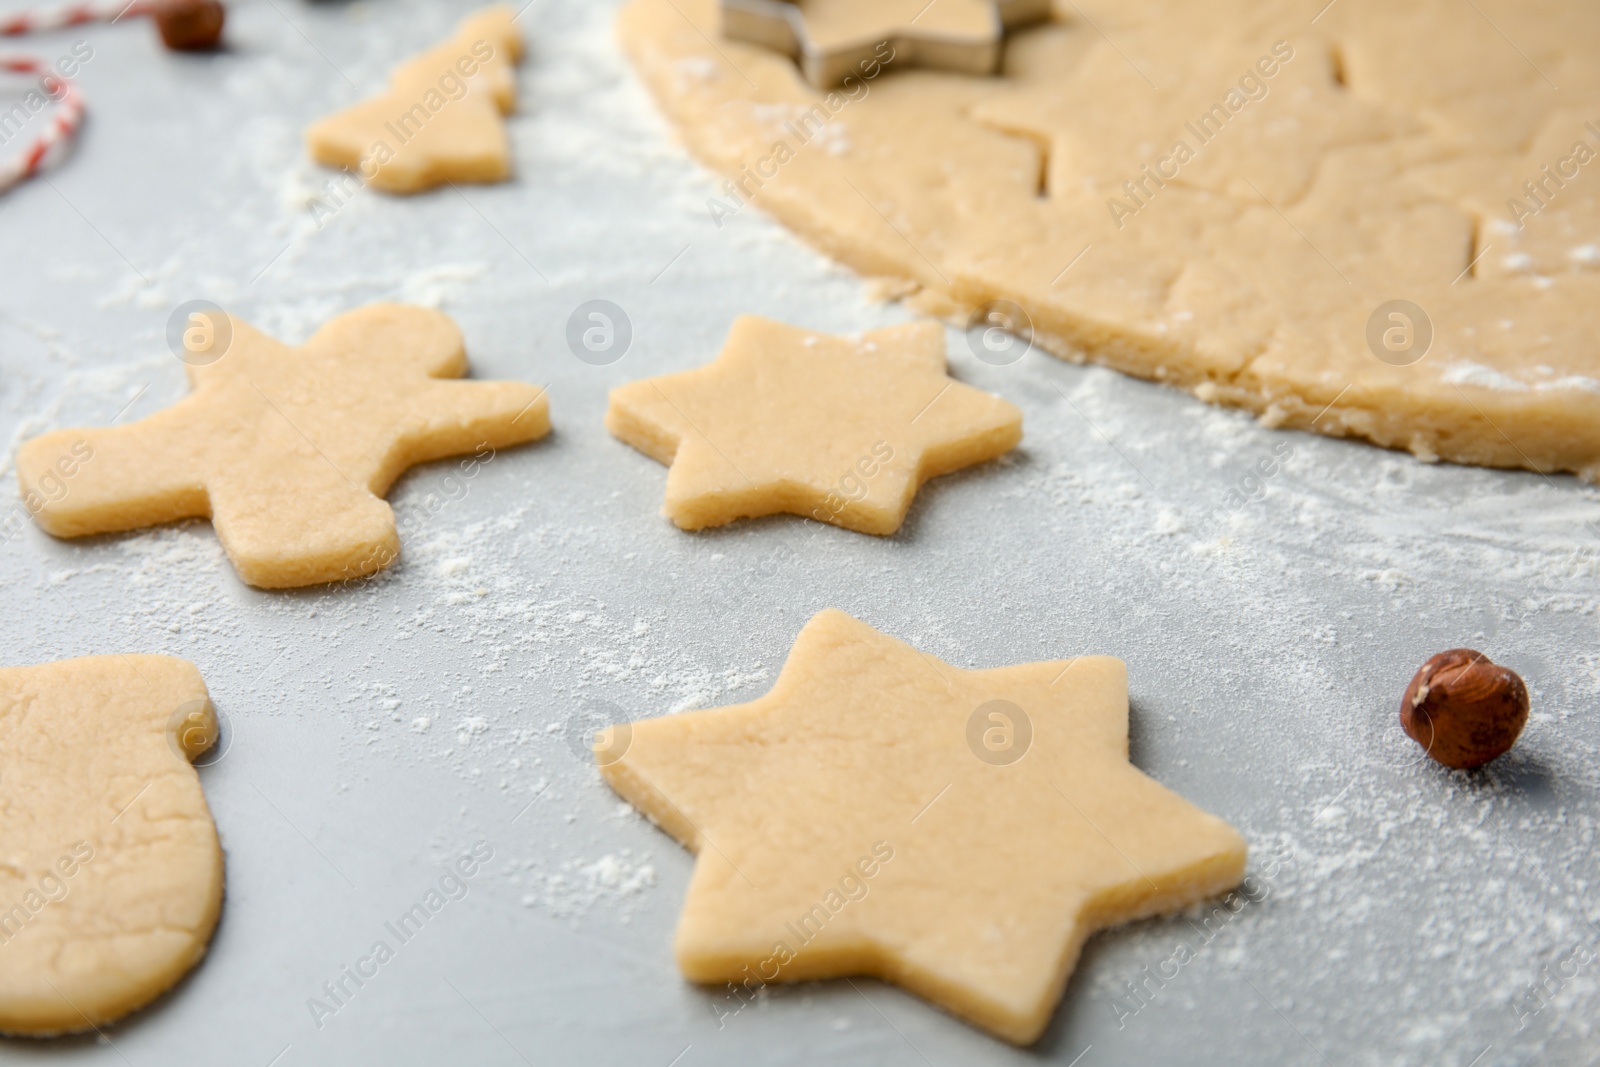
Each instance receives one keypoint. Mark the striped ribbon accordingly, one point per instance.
(62, 126)
(21, 22)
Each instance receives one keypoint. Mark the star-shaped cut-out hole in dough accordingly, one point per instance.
(1534, 211)
(1240, 117)
(110, 869)
(287, 450)
(834, 39)
(841, 429)
(441, 119)
(880, 812)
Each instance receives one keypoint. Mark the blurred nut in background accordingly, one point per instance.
(190, 25)
(1463, 709)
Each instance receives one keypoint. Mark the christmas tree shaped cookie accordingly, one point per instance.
(442, 119)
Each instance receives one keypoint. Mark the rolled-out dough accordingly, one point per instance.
(1383, 152)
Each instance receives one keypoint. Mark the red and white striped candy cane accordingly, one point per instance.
(59, 131)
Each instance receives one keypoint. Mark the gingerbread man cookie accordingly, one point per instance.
(287, 450)
(880, 812)
(442, 117)
(841, 429)
(110, 868)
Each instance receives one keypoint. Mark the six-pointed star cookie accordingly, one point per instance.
(880, 812)
(287, 450)
(440, 120)
(843, 429)
(836, 38)
(959, 832)
(110, 869)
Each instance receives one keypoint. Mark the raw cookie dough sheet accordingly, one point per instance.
(1271, 593)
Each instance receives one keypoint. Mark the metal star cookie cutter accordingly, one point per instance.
(781, 26)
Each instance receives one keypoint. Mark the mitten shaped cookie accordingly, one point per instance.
(110, 868)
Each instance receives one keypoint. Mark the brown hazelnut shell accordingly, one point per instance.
(1464, 709)
(190, 25)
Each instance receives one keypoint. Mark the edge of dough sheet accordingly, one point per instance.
(1541, 431)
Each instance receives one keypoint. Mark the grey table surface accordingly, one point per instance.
(375, 732)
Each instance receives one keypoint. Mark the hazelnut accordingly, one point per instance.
(189, 25)
(1463, 709)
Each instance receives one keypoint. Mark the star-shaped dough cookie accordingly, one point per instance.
(880, 812)
(842, 429)
(836, 38)
(441, 119)
(287, 450)
(110, 868)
